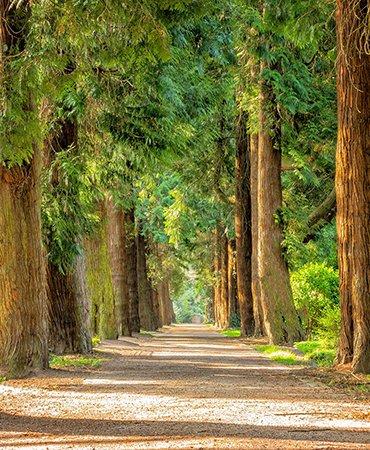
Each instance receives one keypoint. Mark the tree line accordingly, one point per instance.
(144, 145)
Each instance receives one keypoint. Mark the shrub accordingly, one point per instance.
(234, 320)
(316, 296)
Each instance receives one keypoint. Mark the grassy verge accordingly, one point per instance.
(146, 333)
(59, 362)
(231, 332)
(281, 355)
(317, 351)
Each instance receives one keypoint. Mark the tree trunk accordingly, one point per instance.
(117, 249)
(243, 229)
(281, 320)
(147, 311)
(352, 183)
(99, 279)
(256, 292)
(23, 301)
(224, 297)
(231, 281)
(156, 305)
(69, 310)
(131, 270)
(217, 279)
(69, 303)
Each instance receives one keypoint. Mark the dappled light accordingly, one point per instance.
(160, 397)
(184, 224)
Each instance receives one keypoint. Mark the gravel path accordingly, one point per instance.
(186, 387)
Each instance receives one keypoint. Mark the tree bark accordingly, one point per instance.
(232, 282)
(23, 301)
(69, 310)
(352, 183)
(281, 320)
(243, 229)
(224, 297)
(131, 269)
(99, 280)
(256, 291)
(117, 249)
(147, 311)
(217, 278)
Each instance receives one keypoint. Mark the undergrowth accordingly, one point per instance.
(231, 332)
(281, 355)
(319, 352)
(57, 362)
(95, 341)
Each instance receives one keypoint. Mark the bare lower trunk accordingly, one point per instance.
(69, 310)
(353, 183)
(147, 311)
(167, 307)
(231, 281)
(131, 270)
(256, 293)
(99, 280)
(281, 320)
(23, 305)
(243, 228)
(117, 248)
(224, 297)
(217, 279)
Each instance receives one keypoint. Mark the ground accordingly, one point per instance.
(185, 387)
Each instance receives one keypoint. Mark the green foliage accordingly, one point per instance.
(188, 303)
(95, 341)
(60, 362)
(281, 355)
(231, 333)
(68, 207)
(235, 320)
(320, 352)
(316, 296)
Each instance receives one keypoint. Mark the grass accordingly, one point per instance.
(281, 355)
(2, 379)
(146, 333)
(317, 351)
(231, 332)
(95, 341)
(59, 362)
(312, 351)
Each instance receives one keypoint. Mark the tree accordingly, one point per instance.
(352, 183)
(280, 318)
(23, 317)
(243, 227)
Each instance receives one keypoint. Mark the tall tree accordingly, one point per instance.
(117, 250)
(280, 317)
(23, 316)
(352, 182)
(131, 269)
(243, 228)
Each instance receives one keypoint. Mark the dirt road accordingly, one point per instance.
(187, 387)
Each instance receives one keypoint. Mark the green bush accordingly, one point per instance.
(234, 320)
(316, 296)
